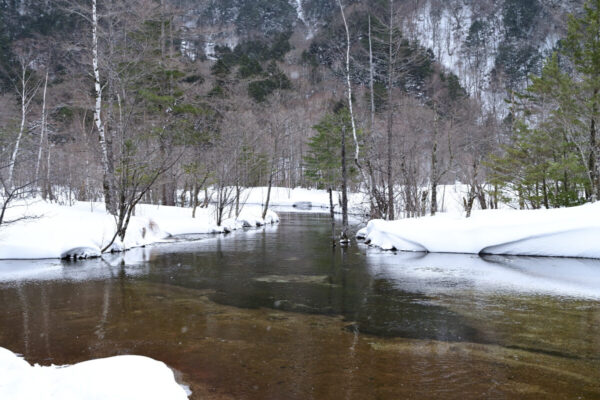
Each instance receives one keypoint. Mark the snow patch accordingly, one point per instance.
(114, 378)
(567, 232)
(302, 17)
(83, 230)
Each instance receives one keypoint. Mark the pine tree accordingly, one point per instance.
(554, 155)
(582, 47)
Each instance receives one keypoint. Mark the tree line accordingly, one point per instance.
(113, 106)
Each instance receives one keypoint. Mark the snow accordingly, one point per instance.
(121, 377)
(449, 274)
(444, 28)
(85, 228)
(302, 17)
(450, 199)
(223, 39)
(566, 232)
(290, 199)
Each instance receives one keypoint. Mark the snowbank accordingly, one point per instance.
(178, 221)
(567, 232)
(122, 377)
(450, 199)
(85, 228)
(302, 200)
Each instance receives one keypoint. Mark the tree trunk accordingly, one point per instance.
(593, 167)
(237, 201)
(206, 198)
(196, 191)
(271, 174)
(390, 122)
(266, 208)
(42, 133)
(469, 202)
(24, 104)
(107, 163)
(332, 214)
(434, 164)
(344, 234)
(47, 192)
(545, 191)
(374, 203)
(220, 206)
(349, 85)
(481, 197)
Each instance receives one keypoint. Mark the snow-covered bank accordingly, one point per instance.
(565, 232)
(86, 228)
(450, 199)
(303, 200)
(121, 377)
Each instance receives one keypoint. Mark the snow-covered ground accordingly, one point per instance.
(565, 232)
(56, 230)
(303, 200)
(85, 227)
(450, 199)
(121, 377)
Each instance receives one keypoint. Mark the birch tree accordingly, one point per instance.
(26, 88)
(344, 234)
(43, 135)
(107, 159)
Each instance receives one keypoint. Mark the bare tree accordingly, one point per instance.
(107, 160)
(344, 234)
(43, 134)
(26, 89)
(8, 196)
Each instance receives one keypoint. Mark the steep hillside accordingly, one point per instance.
(480, 41)
(483, 40)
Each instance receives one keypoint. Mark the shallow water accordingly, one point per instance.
(276, 313)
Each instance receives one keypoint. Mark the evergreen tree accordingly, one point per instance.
(323, 161)
(553, 158)
(582, 47)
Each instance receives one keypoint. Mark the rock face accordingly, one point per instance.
(485, 35)
(491, 47)
(491, 34)
(480, 39)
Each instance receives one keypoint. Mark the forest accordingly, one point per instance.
(127, 102)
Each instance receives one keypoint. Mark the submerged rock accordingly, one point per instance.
(309, 279)
(80, 253)
(303, 205)
(361, 234)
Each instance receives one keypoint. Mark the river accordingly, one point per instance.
(276, 313)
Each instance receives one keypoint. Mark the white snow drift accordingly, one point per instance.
(121, 377)
(304, 200)
(85, 228)
(565, 232)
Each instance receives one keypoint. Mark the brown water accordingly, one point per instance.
(276, 314)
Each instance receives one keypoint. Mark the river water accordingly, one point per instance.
(276, 313)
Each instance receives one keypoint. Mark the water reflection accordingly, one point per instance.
(131, 263)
